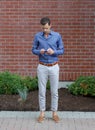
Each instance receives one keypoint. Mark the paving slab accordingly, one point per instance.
(27, 120)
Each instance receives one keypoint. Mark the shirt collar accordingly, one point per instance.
(51, 32)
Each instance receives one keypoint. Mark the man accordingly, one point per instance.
(48, 45)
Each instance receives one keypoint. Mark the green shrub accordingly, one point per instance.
(30, 82)
(84, 85)
(48, 85)
(9, 83)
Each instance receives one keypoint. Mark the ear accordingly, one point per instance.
(50, 25)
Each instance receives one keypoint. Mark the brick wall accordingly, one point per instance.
(74, 19)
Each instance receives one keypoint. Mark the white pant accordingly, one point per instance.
(44, 73)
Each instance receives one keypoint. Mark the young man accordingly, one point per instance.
(48, 45)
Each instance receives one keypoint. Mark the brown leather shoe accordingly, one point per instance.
(56, 118)
(41, 118)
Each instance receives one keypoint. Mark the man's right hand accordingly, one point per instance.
(42, 51)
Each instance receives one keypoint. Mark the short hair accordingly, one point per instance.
(45, 20)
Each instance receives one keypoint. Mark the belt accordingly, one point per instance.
(46, 64)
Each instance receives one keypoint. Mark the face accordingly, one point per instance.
(46, 28)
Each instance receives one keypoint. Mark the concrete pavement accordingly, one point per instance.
(16, 120)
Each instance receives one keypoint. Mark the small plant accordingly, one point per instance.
(84, 85)
(23, 94)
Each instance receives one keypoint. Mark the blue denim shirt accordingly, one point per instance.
(53, 41)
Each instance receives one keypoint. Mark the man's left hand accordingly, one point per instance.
(50, 51)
